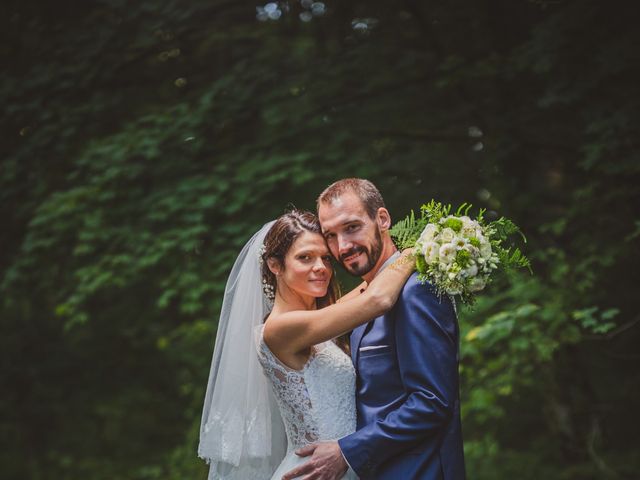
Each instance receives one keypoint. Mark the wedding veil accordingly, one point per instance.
(242, 435)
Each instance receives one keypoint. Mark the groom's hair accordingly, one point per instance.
(365, 190)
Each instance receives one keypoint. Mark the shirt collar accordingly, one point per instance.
(389, 260)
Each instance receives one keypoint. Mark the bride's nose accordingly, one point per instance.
(319, 265)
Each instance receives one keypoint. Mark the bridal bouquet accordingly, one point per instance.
(455, 253)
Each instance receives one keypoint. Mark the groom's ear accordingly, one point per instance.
(383, 219)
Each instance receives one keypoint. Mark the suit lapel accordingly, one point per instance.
(358, 333)
(356, 338)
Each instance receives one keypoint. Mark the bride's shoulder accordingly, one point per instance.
(270, 328)
(272, 334)
(280, 329)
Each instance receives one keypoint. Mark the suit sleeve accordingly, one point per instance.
(427, 345)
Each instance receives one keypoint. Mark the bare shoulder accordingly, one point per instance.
(277, 339)
(282, 329)
(272, 331)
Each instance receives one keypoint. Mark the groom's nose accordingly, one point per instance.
(344, 245)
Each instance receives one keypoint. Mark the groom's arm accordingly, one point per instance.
(426, 342)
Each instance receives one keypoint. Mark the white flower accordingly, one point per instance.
(430, 250)
(476, 284)
(447, 253)
(446, 235)
(467, 222)
(471, 270)
(468, 231)
(472, 250)
(428, 234)
(470, 227)
(454, 290)
(460, 242)
(485, 250)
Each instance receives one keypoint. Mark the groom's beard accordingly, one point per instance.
(372, 255)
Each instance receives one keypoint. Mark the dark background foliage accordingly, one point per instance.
(143, 142)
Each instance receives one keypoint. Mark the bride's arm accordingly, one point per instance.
(356, 292)
(298, 330)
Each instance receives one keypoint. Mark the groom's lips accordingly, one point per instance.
(351, 257)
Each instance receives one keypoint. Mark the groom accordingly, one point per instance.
(406, 360)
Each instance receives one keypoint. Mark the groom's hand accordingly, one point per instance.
(326, 462)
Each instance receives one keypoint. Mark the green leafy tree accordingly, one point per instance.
(143, 142)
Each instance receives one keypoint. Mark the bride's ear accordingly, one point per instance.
(274, 266)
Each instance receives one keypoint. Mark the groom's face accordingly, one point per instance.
(353, 237)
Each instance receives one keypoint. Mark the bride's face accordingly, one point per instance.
(307, 266)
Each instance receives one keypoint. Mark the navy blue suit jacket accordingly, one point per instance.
(407, 396)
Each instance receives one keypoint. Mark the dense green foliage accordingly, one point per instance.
(144, 141)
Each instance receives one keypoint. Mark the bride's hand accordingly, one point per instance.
(406, 260)
(409, 253)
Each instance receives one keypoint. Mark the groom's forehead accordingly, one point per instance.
(347, 202)
(341, 211)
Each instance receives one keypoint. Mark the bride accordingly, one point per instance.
(280, 378)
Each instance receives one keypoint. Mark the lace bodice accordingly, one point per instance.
(316, 402)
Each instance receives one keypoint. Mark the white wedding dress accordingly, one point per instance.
(317, 403)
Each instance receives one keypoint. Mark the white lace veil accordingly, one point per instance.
(242, 435)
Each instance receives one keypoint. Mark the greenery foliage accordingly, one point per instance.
(143, 142)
